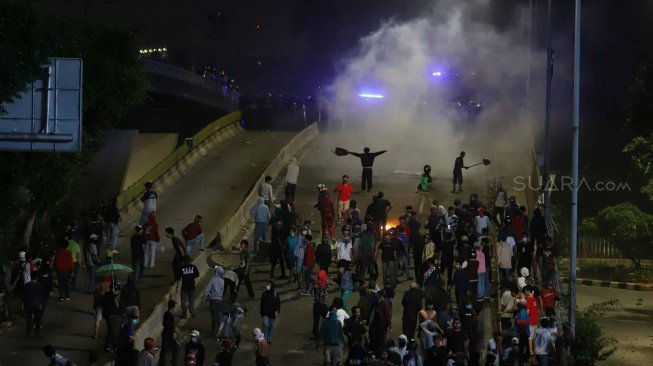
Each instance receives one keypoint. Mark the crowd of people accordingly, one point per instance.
(447, 260)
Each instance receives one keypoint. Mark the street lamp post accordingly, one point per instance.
(574, 171)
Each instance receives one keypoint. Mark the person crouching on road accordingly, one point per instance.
(193, 234)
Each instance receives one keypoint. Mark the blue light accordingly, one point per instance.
(371, 96)
(437, 74)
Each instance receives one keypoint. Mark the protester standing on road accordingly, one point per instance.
(152, 238)
(244, 268)
(388, 251)
(346, 284)
(168, 342)
(193, 234)
(261, 352)
(130, 298)
(333, 339)
(309, 264)
(33, 303)
(149, 199)
(189, 273)
(367, 161)
(91, 263)
(323, 255)
(344, 247)
(320, 308)
(367, 252)
(215, 294)
(63, 265)
(270, 308)
(325, 206)
(112, 218)
(344, 190)
(78, 261)
(111, 314)
(276, 248)
(412, 303)
(194, 350)
(266, 192)
(137, 244)
(261, 214)
(177, 260)
(146, 355)
(292, 173)
(459, 164)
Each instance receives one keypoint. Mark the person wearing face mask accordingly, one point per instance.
(344, 247)
(344, 190)
(195, 349)
(262, 352)
(270, 308)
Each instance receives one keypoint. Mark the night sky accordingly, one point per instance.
(300, 42)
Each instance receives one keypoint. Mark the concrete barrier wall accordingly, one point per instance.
(178, 164)
(153, 325)
(147, 151)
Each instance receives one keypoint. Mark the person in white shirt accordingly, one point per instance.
(507, 306)
(292, 173)
(265, 191)
(481, 222)
(344, 246)
(544, 337)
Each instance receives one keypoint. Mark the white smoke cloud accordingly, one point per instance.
(398, 59)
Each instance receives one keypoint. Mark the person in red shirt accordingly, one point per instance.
(309, 264)
(63, 265)
(192, 233)
(344, 190)
(325, 206)
(533, 315)
(152, 239)
(548, 298)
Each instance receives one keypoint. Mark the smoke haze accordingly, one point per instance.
(398, 59)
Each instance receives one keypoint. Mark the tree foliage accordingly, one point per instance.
(114, 82)
(639, 120)
(626, 227)
(591, 343)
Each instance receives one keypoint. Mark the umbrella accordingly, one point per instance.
(113, 268)
(484, 162)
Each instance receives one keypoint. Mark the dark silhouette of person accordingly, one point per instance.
(459, 164)
(367, 161)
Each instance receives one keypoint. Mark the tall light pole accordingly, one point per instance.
(547, 124)
(574, 171)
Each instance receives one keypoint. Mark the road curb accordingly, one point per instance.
(611, 284)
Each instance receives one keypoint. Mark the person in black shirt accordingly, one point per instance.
(138, 252)
(224, 357)
(459, 164)
(168, 342)
(194, 349)
(188, 275)
(367, 161)
(388, 249)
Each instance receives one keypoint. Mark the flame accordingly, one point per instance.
(391, 223)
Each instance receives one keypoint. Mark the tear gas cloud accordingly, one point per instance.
(411, 63)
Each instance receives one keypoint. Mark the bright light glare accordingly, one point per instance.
(437, 73)
(373, 96)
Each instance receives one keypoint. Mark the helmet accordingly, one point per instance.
(524, 272)
(346, 228)
(427, 168)
(321, 187)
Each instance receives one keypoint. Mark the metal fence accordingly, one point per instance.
(590, 247)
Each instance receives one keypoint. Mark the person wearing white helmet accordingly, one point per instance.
(195, 348)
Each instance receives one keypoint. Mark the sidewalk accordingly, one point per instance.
(215, 188)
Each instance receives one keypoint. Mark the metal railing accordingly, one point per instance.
(161, 68)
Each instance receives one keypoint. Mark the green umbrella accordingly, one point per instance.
(113, 268)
